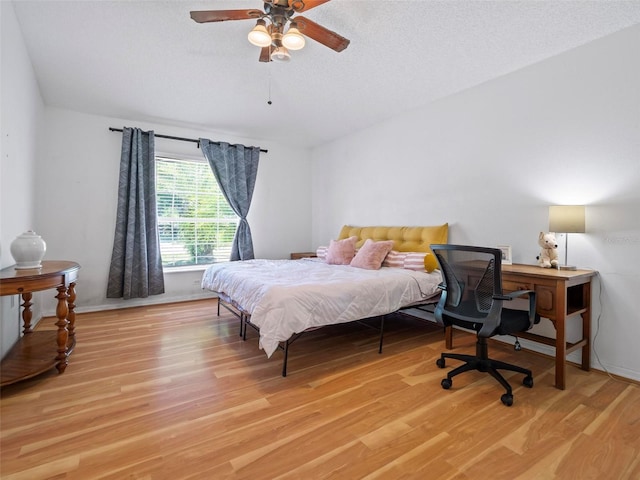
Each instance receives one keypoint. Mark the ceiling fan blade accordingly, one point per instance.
(321, 34)
(265, 54)
(304, 5)
(205, 16)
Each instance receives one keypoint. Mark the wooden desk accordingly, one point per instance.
(37, 352)
(559, 295)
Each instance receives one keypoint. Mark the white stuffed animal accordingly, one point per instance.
(548, 257)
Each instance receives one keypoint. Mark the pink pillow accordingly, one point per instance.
(341, 252)
(371, 254)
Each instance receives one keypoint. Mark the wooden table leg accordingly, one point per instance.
(71, 317)
(26, 312)
(62, 311)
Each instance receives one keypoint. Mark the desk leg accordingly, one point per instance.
(586, 334)
(561, 340)
(448, 337)
(62, 311)
(561, 354)
(586, 326)
(26, 312)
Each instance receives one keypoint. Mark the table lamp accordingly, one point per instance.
(566, 219)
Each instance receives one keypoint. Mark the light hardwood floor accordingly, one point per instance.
(172, 392)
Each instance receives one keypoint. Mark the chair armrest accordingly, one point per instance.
(513, 295)
(533, 316)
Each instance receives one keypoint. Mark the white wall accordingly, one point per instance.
(76, 198)
(490, 160)
(21, 111)
(59, 177)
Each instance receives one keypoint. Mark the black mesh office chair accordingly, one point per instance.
(472, 298)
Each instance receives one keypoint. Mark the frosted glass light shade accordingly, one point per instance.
(259, 36)
(280, 54)
(293, 39)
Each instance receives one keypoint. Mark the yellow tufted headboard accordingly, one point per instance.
(405, 239)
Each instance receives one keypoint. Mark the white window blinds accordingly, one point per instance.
(195, 223)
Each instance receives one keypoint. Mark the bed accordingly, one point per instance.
(282, 299)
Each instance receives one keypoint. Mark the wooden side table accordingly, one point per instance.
(37, 352)
(299, 255)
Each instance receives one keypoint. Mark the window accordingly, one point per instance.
(195, 223)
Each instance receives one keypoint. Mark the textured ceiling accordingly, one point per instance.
(148, 61)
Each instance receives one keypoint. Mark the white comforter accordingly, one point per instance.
(285, 297)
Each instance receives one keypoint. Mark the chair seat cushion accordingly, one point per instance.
(513, 321)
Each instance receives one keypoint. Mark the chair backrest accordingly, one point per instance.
(471, 287)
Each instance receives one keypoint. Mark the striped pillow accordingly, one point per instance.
(394, 259)
(321, 253)
(415, 261)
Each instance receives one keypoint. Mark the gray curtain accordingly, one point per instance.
(235, 168)
(136, 264)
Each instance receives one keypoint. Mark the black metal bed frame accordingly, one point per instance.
(245, 321)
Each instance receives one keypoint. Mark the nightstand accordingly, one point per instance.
(299, 255)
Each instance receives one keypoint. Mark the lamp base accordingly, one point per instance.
(567, 267)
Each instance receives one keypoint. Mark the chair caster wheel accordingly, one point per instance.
(528, 381)
(507, 399)
(440, 362)
(446, 383)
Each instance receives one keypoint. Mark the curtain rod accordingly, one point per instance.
(182, 139)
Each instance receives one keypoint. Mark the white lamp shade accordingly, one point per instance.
(259, 36)
(567, 219)
(293, 39)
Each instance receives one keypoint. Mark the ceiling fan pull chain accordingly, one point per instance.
(269, 80)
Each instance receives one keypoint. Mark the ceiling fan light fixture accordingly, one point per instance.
(293, 39)
(259, 36)
(280, 54)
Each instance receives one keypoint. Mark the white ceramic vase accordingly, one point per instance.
(28, 250)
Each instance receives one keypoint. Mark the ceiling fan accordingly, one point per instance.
(269, 32)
